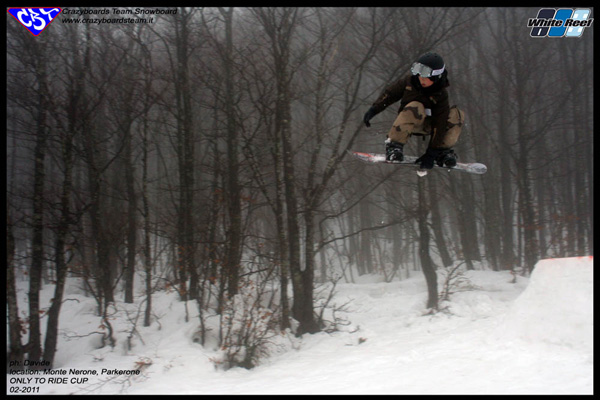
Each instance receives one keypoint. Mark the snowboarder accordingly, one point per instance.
(424, 110)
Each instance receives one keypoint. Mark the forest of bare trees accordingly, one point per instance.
(206, 152)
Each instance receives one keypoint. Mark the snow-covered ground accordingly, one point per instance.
(532, 336)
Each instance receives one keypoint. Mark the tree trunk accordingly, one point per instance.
(185, 134)
(282, 238)
(15, 352)
(526, 206)
(37, 243)
(234, 241)
(307, 275)
(146, 208)
(61, 263)
(131, 217)
(438, 226)
(467, 226)
(365, 258)
(424, 238)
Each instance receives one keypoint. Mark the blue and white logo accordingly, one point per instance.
(562, 22)
(35, 19)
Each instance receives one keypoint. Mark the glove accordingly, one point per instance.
(428, 158)
(369, 115)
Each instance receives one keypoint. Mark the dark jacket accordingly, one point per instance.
(409, 89)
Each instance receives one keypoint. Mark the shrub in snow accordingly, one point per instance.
(454, 280)
(248, 328)
(328, 317)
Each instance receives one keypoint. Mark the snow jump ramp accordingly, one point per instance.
(556, 306)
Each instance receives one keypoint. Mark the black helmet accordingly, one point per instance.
(429, 65)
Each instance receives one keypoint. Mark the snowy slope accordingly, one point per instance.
(533, 336)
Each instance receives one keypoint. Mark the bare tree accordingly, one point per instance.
(15, 354)
(234, 191)
(32, 58)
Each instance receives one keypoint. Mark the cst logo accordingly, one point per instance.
(35, 19)
(564, 22)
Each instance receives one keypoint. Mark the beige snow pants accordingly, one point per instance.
(413, 120)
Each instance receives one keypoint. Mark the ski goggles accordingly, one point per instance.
(425, 71)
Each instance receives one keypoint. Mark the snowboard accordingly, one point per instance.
(374, 158)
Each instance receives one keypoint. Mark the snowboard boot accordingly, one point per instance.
(446, 158)
(393, 151)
